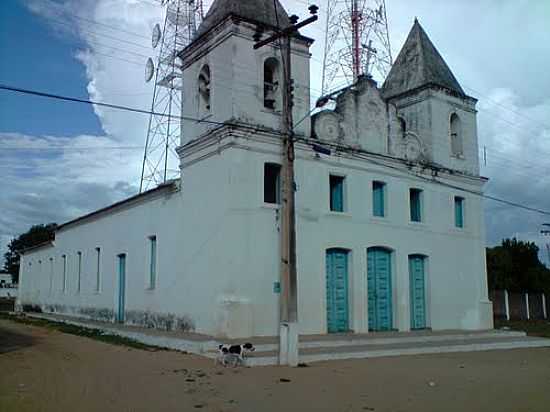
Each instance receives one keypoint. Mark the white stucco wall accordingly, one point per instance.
(218, 247)
(237, 81)
(218, 243)
(428, 114)
(457, 291)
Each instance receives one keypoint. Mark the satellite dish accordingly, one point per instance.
(149, 70)
(156, 35)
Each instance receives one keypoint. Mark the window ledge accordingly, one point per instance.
(97, 292)
(341, 214)
(150, 289)
(379, 219)
(271, 205)
(458, 157)
(420, 225)
(275, 112)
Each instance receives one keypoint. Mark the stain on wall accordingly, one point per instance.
(163, 321)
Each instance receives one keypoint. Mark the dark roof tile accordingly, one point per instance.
(261, 11)
(419, 64)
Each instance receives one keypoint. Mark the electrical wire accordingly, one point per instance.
(259, 129)
(366, 155)
(134, 109)
(121, 107)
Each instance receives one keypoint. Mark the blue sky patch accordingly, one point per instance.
(33, 56)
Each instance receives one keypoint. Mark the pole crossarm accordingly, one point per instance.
(285, 32)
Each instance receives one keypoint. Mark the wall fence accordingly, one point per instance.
(519, 305)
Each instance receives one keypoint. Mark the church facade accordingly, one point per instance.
(390, 230)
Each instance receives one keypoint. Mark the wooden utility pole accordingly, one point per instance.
(288, 332)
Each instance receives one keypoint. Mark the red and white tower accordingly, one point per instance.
(356, 42)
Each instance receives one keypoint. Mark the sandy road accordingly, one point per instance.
(45, 370)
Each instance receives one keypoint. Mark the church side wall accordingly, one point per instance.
(126, 231)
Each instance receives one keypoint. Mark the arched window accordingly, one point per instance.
(402, 127)
(456, 135)
(271, 83)
(204, 89)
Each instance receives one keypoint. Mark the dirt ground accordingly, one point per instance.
(45, 370)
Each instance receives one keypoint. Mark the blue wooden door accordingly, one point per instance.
(379, 289)
(418, 291)
(337, 290)
(121, 287)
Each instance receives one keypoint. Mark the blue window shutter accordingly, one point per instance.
(337, 193)
(153, 263)
(459, 212)
(416, 215)
(378, 199)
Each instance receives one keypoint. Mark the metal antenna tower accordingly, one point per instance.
(160, 161)
(356, 42)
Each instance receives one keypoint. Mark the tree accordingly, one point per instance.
(34, 236)
(515, 266)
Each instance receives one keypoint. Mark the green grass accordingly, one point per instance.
(531, 327)
(81, 331)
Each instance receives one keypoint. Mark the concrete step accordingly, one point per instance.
(315, 348)
(336, 341)
(308, 355)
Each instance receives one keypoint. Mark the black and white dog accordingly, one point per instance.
(233, 353)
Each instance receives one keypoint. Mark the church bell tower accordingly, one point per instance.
(227, 81)
(432, 106)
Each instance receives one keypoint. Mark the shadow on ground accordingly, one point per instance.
(11, 341)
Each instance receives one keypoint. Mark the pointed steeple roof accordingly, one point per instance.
(258, 11)
(419, 64)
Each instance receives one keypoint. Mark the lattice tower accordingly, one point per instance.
(181, 21)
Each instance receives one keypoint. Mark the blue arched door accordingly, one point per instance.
(337, 290)
(417, 270)
(379, 286)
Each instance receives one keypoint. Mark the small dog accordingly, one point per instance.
(234, 353)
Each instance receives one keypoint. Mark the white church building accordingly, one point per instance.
(390, 229)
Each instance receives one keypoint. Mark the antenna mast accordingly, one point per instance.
(356, 42)
(160, 161)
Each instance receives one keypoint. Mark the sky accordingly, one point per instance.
(59, 160)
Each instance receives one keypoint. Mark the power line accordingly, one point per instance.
(494, 102)
(121, 107)
(247, 68)
(360, 153)
(76, 148)
(98, 34)
(133, 109)
(91, 21)
(356, 152)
